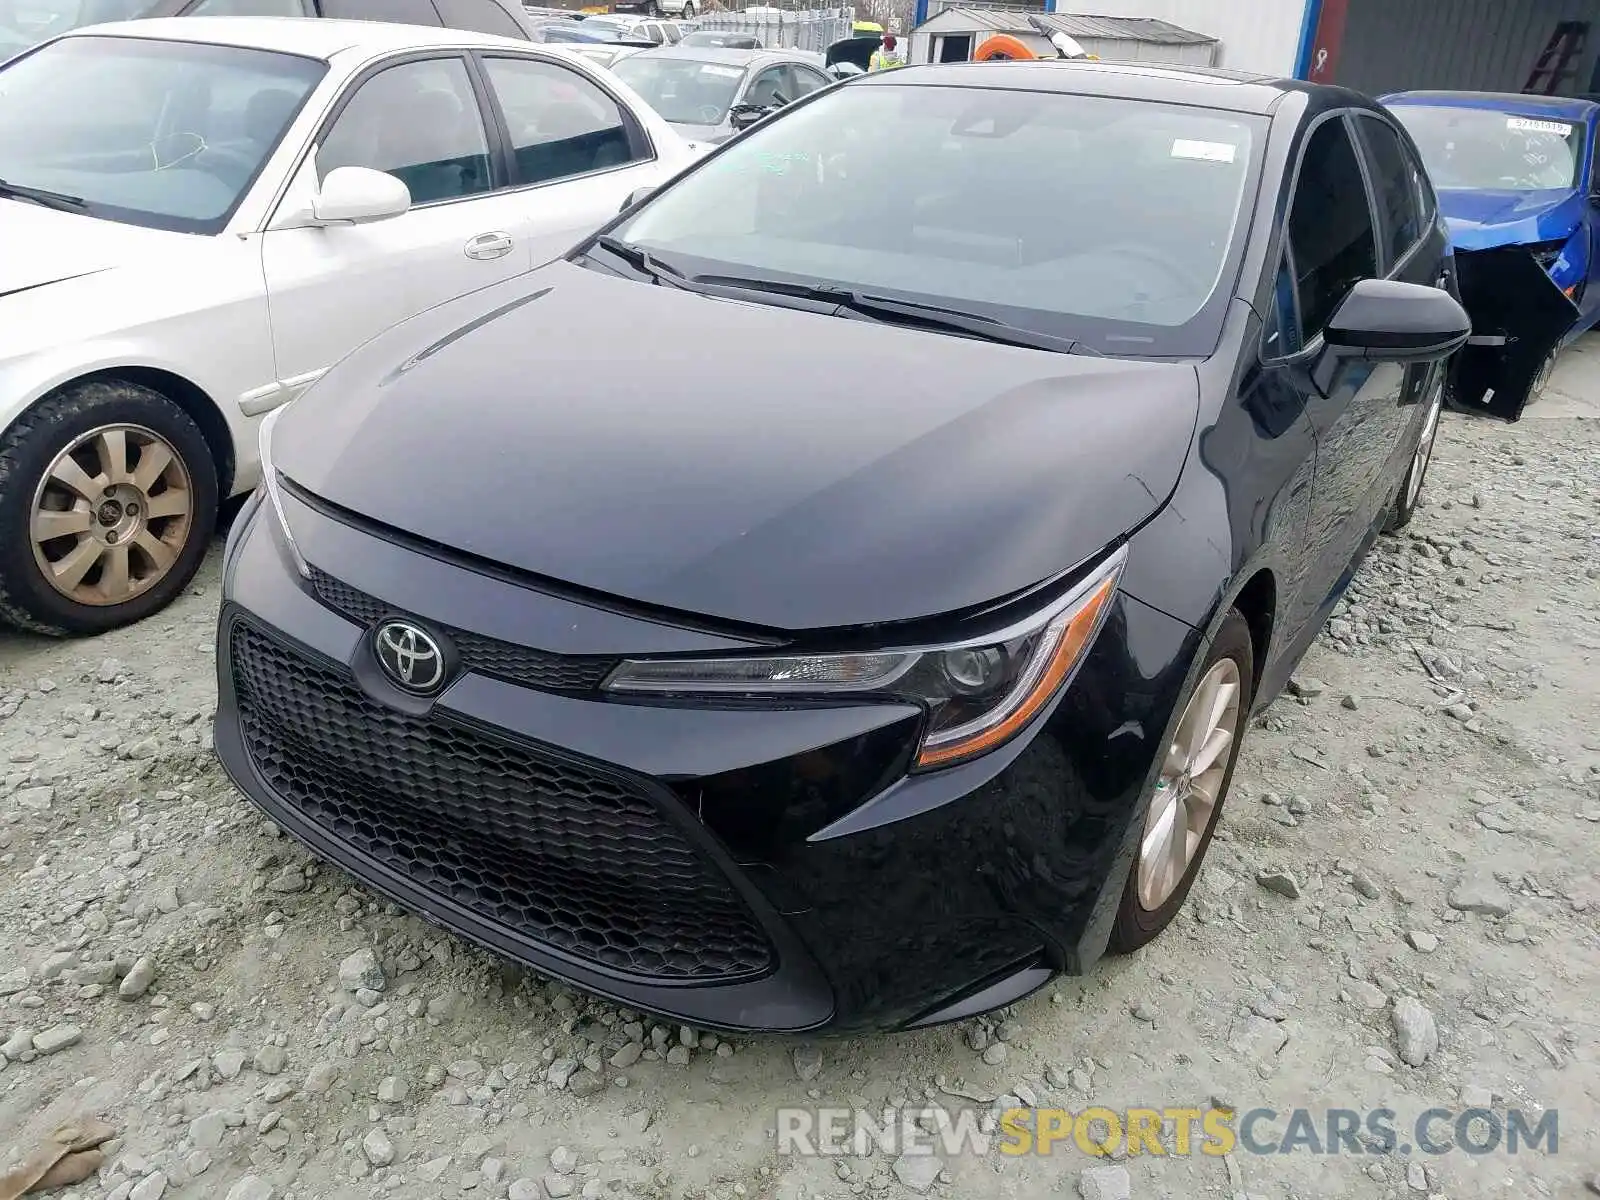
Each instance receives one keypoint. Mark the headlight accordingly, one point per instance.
(269, 480)
(1547, 254)
(978, 693)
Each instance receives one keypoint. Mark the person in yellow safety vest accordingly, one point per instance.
(886, 57)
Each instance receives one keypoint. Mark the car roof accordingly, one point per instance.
(1515, 103)
(320, 38)
(725, 55)
(1205, 87)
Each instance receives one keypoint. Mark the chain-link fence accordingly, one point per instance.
(812, 29)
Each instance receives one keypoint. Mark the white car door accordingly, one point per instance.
(332, 288)
(578, 152)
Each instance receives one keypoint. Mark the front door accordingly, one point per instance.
(332, 288)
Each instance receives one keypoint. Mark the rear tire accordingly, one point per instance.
(1409, 498)
(108, 499)
(1191, 788)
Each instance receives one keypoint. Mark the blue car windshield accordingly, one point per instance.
(1484, 150)
(166, 134)
(1108, 221)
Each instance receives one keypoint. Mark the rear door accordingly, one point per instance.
(575, 151)
(332, 288)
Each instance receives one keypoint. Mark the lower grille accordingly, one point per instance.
(574, 857)
(485, 655)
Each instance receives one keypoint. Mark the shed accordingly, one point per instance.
(957, 33)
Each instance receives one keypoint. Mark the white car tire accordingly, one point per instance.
(108, 499)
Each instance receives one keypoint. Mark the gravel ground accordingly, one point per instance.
(1400, 911)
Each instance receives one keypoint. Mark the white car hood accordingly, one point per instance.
(39, 245)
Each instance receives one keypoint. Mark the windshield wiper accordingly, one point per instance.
(643, 261)
(57, 200)
(915, 313)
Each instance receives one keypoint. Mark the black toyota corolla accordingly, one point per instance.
(870, 632)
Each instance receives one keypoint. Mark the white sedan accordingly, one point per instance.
(199, 216)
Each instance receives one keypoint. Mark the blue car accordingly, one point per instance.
(1516, 185)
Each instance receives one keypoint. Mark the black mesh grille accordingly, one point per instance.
(550, 849)
(487, 656)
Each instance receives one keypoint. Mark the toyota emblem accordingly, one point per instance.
(409, 656)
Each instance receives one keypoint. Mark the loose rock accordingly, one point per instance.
(1416, 1035)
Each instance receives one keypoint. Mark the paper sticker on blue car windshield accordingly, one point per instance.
(1222, 152)
(1528, 125)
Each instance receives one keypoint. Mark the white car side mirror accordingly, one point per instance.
(357, 194)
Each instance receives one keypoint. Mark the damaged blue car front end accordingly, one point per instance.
(1514, 177)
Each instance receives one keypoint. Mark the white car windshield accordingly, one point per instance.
(685, 91)
(1484, 150)
(1108, 221)
(167, 134)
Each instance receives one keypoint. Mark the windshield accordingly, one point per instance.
(1485, 150)
(157, 133)
(25, 23)
(685, 91)
(1107, 221)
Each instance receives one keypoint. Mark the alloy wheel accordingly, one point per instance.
(1424, 454)
(111, 515)
(1190, 786)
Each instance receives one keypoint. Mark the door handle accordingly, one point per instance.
(489, 245)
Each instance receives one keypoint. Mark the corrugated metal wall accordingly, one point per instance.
(1256, 35)
(1481, 45)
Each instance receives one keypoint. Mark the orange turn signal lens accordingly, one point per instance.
(1060, 649)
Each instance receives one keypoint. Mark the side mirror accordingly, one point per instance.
(742, 116)
(1388, 321)
(635, 197)
(354, 195)
(1384, 320)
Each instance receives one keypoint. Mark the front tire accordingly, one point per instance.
(108, 498)
(1191, 789)
(688, 10)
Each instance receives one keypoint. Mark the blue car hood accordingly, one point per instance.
(1484, 220)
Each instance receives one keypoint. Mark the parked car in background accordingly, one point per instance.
(175, 261)
(801, 705)
(605, 54)
(726, 39)
(630, 25)
(709, 94)
(1515, 175)
(504, 18)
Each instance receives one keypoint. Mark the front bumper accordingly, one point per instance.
(1519, 318)
(734, 868)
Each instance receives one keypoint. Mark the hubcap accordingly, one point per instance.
(1190, 785)
(111, 515)
(1424, 454)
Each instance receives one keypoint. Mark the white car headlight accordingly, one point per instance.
(979, 693)
(270, 481)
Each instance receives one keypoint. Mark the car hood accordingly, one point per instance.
(39, 246)
(1484, 220)
(708, 135)
(746, 462)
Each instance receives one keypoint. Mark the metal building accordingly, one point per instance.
(1380, 46)
(957, 32)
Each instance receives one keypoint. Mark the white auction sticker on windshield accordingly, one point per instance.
(1222, 152)
(722, 72)
(1528, 125)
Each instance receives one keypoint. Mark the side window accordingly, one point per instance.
(1332, 242)
(248, 8)
(653, 31)
(560, 123)
(480, 16)
(767, 89)
(805, 81)
(400, 12)
(420, 122)
(1395, 183)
